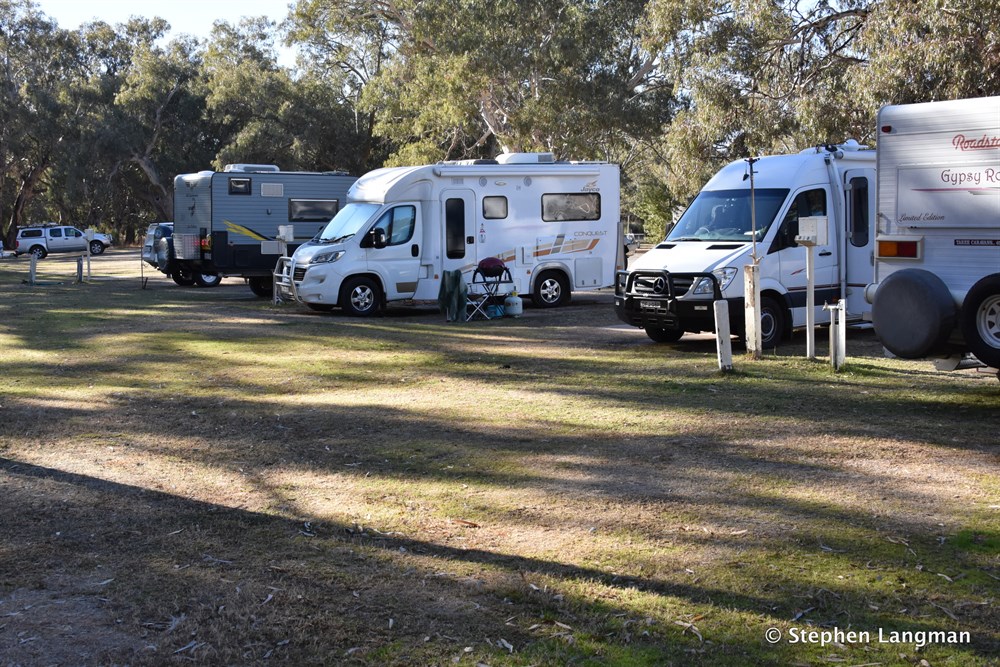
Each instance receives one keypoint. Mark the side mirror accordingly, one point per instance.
(378, 238)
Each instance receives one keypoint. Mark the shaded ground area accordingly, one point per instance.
(195, 475)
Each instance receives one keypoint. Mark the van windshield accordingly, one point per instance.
(348, 222)
(724, 215)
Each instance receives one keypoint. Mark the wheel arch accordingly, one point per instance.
(373, 275)
(539, 269)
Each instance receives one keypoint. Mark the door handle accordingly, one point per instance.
(825, 253)
(415, 250)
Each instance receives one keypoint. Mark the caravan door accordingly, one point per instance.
(458, 211)
(860, 234)
(398, 263)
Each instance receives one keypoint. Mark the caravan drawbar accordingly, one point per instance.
(556, 225)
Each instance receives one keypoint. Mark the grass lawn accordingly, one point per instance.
(198, 476)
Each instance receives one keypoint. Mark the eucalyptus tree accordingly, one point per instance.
(451, 79)
(39, 108)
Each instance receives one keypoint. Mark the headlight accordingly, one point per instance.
(327, 257)
(724, 276)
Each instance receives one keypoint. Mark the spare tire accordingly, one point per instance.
(981, 320)
(913, 313)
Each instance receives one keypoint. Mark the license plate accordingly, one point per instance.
(649, 305)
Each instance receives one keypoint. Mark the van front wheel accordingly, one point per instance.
(361, 297)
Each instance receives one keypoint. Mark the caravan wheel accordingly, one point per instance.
(183, 277)
(207, 279)
(261, 286)
(981, 320)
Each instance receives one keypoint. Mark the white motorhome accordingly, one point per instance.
(670, 290)
(936, 289)
(556, 225)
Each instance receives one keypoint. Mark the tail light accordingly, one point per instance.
(906, 249)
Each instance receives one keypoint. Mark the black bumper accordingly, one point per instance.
(652, 299)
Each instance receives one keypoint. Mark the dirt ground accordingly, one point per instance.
(402, 491)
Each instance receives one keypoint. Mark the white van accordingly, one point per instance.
(556, 225)
(936, 289)
(670, 290)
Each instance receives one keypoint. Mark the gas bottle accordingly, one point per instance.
(512, 306)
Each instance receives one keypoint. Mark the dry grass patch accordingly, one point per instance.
(197, 475)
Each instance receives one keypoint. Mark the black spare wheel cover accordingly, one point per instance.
(913, 313)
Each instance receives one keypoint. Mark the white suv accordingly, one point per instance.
(40, 240)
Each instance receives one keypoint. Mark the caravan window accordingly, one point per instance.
(859, 212)
(239, 186)
(312, 210)
(454, 228)
(494, 208)
(398, 224)
(559, 207)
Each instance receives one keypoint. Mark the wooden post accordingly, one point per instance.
(751, 290)
(32, 269)
(723, 343)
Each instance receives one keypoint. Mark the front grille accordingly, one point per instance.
(299, 274)
(658, 284)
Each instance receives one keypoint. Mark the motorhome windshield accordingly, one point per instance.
(347, 222)
(724, 215)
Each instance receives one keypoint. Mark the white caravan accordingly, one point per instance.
(936, 289)
(670, 290)
(556, 225)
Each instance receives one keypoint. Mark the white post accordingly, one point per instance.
(841, 333)
(723, 344)
(838, 333)
(751, 290)
(810, 304)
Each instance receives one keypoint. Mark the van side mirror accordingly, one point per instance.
(376, 238)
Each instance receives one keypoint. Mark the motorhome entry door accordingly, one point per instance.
(458, 216)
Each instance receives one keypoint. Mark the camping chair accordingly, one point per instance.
(484, 290)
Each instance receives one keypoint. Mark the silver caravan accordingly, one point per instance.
(936, 291)
(226, 223)
(555, 225)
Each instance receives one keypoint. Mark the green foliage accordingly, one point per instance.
(95, 123)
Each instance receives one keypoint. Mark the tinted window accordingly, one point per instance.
(806, 204)
(398, 224)
(494, 208)
(557, 207)
(454, 226)
(31, 234)
(56, 233)
(312, 210)
(859, 212)
(239, 186)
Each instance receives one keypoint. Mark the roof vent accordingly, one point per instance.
(525, 158)
(267, 168)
